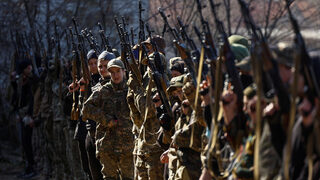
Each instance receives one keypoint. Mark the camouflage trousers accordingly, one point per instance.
(135, 159)
(188, 165)
(116, 165)
(149, 166)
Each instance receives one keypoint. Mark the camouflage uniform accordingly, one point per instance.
(148, 151)
(137, 123)
(114, 139)
(94, 164)
(187, 141)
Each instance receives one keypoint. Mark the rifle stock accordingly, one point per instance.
(141, 24)
(227, 55)
(302, 64)
(104, 39)
(160, 83)
(172, 31)
(186, 57)
(75, 75)
(127, 55)
(84, 64)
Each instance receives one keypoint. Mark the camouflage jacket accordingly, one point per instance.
(187, 132)
(137, 98)
(90, 124)
(108, 107)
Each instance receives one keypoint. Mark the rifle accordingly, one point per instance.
(234, 78)
(12, 66)
(141, 38)
(183, 51)
(185, 36)
(104, 40)
(172, 31)
(127, 55)
(210, 47)
(75, 76)
(141, 24)
(157, 59)
(132, 36)
(124, 23)
(93, 39)
(186, 57)
(307, 69)
(229, 58)
(90, 39)
(303, 64)
(159, 82)
(265, 70)
(270, 67)
(84, 63)
(23, 47)
(195, 54)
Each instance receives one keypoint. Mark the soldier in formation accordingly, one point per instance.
(242, 113)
